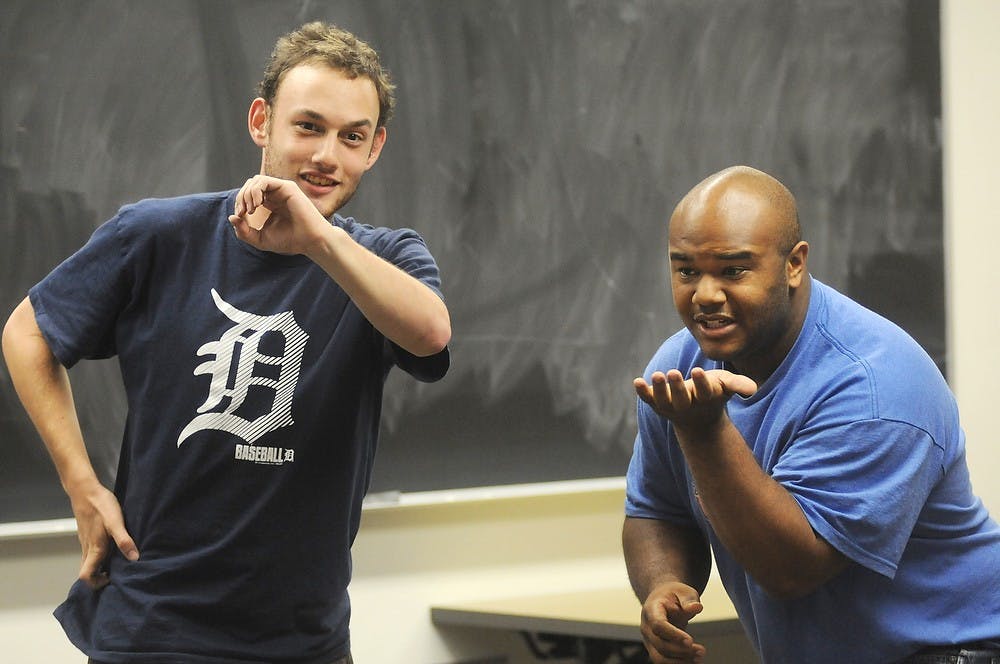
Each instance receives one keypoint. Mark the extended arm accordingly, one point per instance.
(756, 518)
(668, 567)
(43, 386)
(275, 215)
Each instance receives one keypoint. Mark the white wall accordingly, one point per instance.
(971, 97)
(407, 558)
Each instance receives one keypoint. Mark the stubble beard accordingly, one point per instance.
(277, 169)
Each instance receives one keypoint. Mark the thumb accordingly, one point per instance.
(126, 544)
(238, 223)
(123, 540)
(692, 605)
(244, 230)
(690, 602)
(739, 384)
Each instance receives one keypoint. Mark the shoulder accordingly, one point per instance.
(381, 240)
(174, 210)
(855, 350)
(867, 338)
(155, 222)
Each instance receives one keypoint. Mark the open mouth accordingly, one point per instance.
(318, 180)
(714, 324)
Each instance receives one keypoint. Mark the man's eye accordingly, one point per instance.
(354, 137)
(685, 272)
(309, 126)
(735, 271)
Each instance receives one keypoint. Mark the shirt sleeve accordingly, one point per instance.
(656, 484)
(862, 485)
(409, 252)
(77, 304)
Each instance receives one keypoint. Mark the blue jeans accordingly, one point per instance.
(970, 653)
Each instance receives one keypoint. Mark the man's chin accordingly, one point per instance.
(717, 352)
(325, 206)
(328, 206)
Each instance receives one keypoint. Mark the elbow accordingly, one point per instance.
(787, 585)
(25, 349)
(433, 345)
(13, 332)
(436, 338)
(442, 340)
(788, 589)
(441, 337)
(6, 343)
(792, 572)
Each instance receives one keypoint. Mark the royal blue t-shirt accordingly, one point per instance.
(859, 426)
(254, 390)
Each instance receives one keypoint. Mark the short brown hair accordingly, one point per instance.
(325, 43)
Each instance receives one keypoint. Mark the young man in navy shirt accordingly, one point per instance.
(254, 329)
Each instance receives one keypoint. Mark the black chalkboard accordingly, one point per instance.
(539, 148)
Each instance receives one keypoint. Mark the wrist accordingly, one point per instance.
(327, 244)
(703, 431)
(78, 486)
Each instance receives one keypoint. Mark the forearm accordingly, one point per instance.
(402, 308)
(42, 384)
(756, 519)
(658, 552)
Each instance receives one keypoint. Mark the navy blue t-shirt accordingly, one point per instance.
(254, 390)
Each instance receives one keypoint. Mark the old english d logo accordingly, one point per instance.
(235, 357)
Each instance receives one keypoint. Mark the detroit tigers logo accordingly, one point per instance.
(238, 364)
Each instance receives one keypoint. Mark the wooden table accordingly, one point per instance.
(599, 621)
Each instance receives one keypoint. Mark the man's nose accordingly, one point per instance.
(708, 293)
(325, 154)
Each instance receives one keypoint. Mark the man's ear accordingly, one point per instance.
(257, 121)
(796, 264)
(378, 141)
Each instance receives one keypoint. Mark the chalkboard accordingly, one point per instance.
(538, 147)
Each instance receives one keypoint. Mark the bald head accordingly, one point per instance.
(743, 196)
(738, 269)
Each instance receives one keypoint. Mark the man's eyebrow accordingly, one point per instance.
(742, 255)
(738, 255)
(315, 115)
